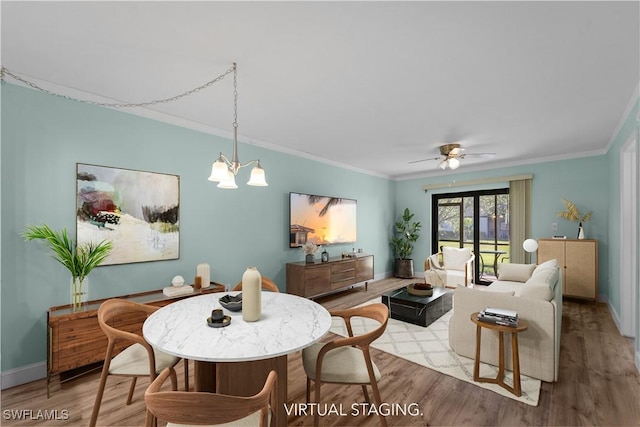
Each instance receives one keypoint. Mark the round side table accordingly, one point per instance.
(501, 329)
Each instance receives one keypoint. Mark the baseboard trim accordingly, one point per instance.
(615, 316)
(22, 375)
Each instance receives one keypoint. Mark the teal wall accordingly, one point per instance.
(584, 181)
(43, 137)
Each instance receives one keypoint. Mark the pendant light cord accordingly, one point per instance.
(5, 72)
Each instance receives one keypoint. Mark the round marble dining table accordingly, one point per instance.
(288, 324)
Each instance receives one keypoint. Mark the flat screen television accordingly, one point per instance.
(322, 220)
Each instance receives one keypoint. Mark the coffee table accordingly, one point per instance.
(421, 311)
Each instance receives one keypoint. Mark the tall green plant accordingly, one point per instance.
(406, 234)
(79, 260)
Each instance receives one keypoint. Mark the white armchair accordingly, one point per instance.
(455, 269)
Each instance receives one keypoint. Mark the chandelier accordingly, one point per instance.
(223, 170)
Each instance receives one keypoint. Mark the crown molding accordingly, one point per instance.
(65, 91)
(627, 111)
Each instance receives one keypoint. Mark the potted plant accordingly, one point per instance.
(406, 233)
(573, 214)
(79, 260)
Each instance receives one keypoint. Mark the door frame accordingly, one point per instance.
(629, 237)
(476, 227)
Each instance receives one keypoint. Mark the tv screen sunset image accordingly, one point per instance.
(322, 220)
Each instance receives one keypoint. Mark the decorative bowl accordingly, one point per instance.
(420, 289)
(231, 302)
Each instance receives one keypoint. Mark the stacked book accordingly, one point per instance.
(499, 316)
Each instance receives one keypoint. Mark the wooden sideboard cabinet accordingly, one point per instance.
(75, 340)
(579, 262)
(314, 279)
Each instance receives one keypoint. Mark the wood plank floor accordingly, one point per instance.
(599, 385)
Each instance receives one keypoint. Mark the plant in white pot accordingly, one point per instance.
(79, 260)
(406, 233)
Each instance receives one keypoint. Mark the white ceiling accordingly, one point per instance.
(369, 85)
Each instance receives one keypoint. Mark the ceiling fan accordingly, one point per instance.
(451, 154)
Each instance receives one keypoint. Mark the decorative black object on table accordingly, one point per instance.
(231, 302)
(218, 319)
(421, 311)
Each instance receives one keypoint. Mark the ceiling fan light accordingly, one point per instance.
(443, 165)
(454, 163)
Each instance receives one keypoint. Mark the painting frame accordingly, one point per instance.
(139, 211)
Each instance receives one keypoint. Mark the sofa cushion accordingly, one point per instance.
(488, 292)
(546, 272)
(535, 289)
(455, 258)
(505, 286)
(515, 272)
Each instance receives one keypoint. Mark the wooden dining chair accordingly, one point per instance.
(138, 358)
(347, 360)
(267, 284)
(201, 408)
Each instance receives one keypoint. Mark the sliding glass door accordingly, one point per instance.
(478, 220)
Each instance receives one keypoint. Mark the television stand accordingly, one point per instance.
(319, 278)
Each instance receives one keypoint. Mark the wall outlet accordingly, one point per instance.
(554, 226)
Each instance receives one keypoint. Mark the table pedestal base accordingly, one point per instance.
(244, 379)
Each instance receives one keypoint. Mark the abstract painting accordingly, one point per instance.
(138, 211)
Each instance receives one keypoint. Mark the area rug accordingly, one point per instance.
(429, 347)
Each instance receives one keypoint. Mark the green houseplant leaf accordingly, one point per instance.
(406, 233)
(79, 260)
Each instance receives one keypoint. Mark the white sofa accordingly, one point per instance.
(453, 267)
(535, 293)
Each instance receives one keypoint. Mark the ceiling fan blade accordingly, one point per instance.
(457, 151)
(425, 160)
(479, 155)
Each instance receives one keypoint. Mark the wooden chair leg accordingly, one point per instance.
(132, 388)
(316, 417)
(96, 405)
(150, 419)
(374, 387)
(366, 394)
(308, 389)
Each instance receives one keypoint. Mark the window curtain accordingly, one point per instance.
(520, 219)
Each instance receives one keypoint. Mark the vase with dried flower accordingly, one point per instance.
(309, 248)
(78, 259)
(573, 214)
